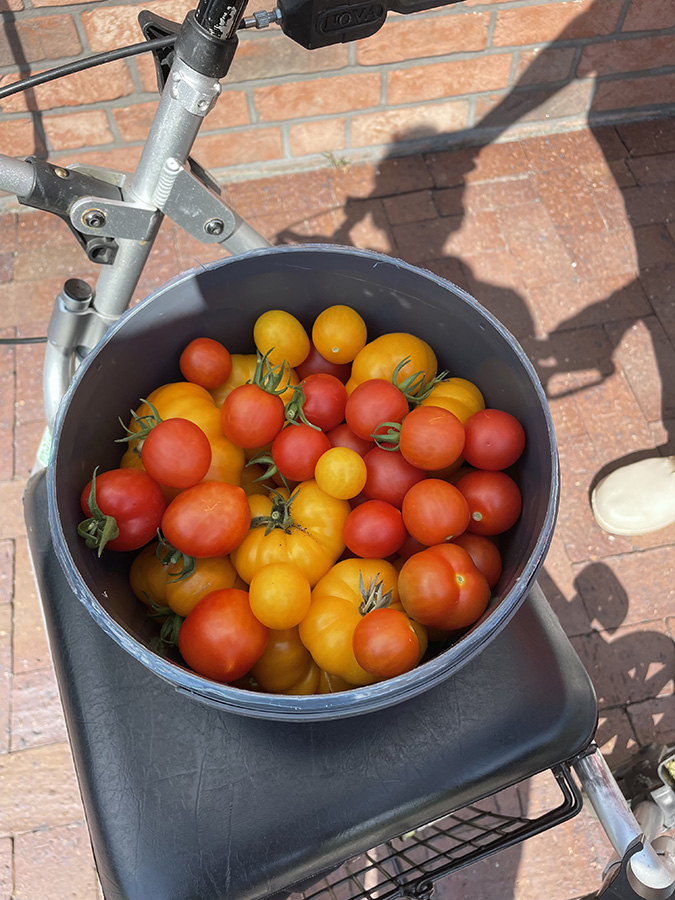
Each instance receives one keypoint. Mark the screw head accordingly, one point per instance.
(94, 218)
(214, 226)
(60, 172)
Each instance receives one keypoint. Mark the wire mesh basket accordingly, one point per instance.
(408, 866)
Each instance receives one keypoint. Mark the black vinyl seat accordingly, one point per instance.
(188, 802)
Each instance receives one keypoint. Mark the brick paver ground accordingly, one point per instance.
(570, 241)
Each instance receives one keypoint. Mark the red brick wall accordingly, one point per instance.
(472, 71)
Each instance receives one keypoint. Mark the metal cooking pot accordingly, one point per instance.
(223, 300)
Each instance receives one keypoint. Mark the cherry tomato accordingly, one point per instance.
(280, 595)
(372, 403)
(209, 574)
(128, 500)
(339, 333)
(221, 639)
(296, 451)
(286, 665)
(457, 395)
(410, 546)
(434, 511)
(148, 577)
(390, 476)
(494, 500)
(282, 336)
(494, 439)
(205, 362)
(385, 643)
(185, 400)
(343, 436)
(442, 588)
(325, 401)
(176, 453)
(485, 554)
(252, 417)
(315, 364)
(210, 519)
(374, 529)
(431, 438)
(244, 367)
(341, 472)
(380, 357)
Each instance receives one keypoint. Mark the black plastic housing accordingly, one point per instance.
(320, 23)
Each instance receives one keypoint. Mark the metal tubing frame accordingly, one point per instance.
(649, 875)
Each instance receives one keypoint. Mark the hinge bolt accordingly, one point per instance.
(94, 218)
(214, 226)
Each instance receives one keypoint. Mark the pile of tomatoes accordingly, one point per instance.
(312, 515)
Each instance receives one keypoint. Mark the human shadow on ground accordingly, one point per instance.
(568, 72)
(629, 668)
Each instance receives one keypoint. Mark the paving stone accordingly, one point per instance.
(629, 665)
(6, 869)
(625, 595)
(31, 650)
(569, 240)
(5, 675)
(55, 863)
(654, 720)
(38, 789)
(37, 715)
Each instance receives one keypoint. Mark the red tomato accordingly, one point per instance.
(314, 363)
(434, 511)
(385, 643)
(442, 588)
(325, 400)
(252, 417)
(209, 519)
(494, 500)
(221, 639)
(494, 439)
(390, 476)
(431, 438)
(410, 546)
(343, 436)
(296, 451)
(176, 453)
(374, 530)
(128, 499)
(485, 554)
(373, 402)
(205, 362)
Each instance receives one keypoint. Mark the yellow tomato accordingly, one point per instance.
(328, 628)
(457, 395)
(286, 666)
(209, 574)
(148, 577)
(279, 595)
(183, 399)
(331, 684)
(379, 358)
(306, 531)
(341, 472)
(243, 369)
(282, 336)
(339, 333)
